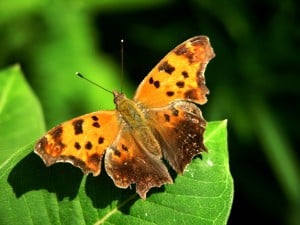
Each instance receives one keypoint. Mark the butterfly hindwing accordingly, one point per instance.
(126, 162)
(180, 127)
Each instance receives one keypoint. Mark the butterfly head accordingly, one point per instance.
(118, 97)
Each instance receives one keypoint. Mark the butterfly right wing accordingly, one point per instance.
(81, 141)
(179, 128)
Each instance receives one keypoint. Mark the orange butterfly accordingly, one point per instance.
(162, 121)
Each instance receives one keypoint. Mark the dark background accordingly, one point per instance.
(254, 79)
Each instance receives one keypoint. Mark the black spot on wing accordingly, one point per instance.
(96, 124)
(185, 74)
(191, 94)
(180, 84)
(156, 84)
(124, 147)
(95, 118)
(151, 80)
(77, 145)
(117, 152)
(88, 145)
(95, 159)
(165, 66)
(182, 50)
(167, 117)
(100, 140)
(170, 93)
(77, 125)
(56, 132)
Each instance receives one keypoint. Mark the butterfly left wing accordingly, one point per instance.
(81, 141)
(126, 162)
(179, 127)
(178, 76)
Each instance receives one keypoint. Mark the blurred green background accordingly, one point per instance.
(254, 79)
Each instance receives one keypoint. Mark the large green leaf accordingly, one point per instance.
(21, 119)
(31, 193)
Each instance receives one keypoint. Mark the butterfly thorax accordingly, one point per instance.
(128, 110)
(134, 118)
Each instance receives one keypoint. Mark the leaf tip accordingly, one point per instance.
(16, 67)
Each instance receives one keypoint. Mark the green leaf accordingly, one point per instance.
(32, 193)
(21, 119)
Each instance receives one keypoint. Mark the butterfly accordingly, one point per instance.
(163, 121)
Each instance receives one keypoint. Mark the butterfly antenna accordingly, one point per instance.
(122, 64)
(92, 82)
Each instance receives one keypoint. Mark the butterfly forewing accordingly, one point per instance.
(81, 141)
(179, 75)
